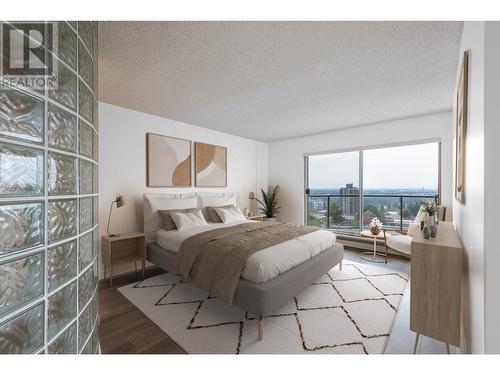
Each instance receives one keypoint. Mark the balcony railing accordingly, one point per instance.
(347, 213)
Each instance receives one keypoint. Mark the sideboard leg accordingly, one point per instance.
(416, 343)
(261, 328)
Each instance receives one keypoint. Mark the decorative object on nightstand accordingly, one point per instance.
(127, 248)
(120, 201)
(269, 203)
(253, 210)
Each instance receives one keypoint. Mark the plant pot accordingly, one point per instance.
(270, 219)
(431, 220)
(375, 230)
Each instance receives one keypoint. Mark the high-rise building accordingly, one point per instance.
(350, 205)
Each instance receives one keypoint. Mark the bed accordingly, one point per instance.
(271, 276)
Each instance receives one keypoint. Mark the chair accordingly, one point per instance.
(400, 242)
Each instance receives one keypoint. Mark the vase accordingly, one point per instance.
(375, 230)
(431, 220)
(433, 230)
(426, 233)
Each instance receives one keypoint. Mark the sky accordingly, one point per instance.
(413, 166)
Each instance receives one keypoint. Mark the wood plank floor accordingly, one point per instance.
(125, 329)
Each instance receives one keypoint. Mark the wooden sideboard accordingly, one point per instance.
(436, 282)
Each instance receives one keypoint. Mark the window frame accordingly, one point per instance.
(361, 150)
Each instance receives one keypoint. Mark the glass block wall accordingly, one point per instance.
(48, 205)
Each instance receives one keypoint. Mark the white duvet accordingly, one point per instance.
(266, 263)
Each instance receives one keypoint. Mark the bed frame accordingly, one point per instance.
(265, 298)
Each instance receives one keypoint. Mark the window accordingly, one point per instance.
(330, 176)
(346, 190)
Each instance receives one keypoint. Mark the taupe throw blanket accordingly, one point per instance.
(214, 260)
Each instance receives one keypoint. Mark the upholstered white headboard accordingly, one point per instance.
(153, 202)
(156, 201)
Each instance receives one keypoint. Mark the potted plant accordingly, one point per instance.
(375, 226)
(432, 211)
(269, 203)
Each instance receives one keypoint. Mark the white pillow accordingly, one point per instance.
(188, 220)
(230, 215)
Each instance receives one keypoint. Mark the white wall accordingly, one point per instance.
(122, 163)
(286, 158)
(469, 217)
(491, 187)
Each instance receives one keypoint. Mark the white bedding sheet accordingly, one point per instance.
(267, 263)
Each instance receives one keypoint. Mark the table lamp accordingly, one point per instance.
(251, 196)
(120, 201)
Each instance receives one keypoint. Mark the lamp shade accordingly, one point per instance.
(120, 200)
(251, 195)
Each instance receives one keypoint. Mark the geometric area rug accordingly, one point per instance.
(345, 312)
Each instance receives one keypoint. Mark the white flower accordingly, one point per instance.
(375, 223)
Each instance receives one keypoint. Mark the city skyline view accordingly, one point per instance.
(402, 167)
(396, 180)
(336, 190)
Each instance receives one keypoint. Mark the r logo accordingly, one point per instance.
(26, 49)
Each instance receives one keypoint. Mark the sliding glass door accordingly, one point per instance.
(334, 197)
(346, 190)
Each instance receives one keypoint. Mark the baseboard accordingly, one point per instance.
(363, 244)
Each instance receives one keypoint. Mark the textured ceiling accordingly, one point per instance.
(277, 80)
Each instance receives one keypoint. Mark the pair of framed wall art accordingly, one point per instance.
(169, 162)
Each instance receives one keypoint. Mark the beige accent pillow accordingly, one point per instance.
(211, 214)
(168, 222)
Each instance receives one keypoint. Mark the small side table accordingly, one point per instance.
(373, 256)
(256, 217)
(123, 249)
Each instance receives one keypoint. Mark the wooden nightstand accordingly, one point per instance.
(256, 217)
(123, 249)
